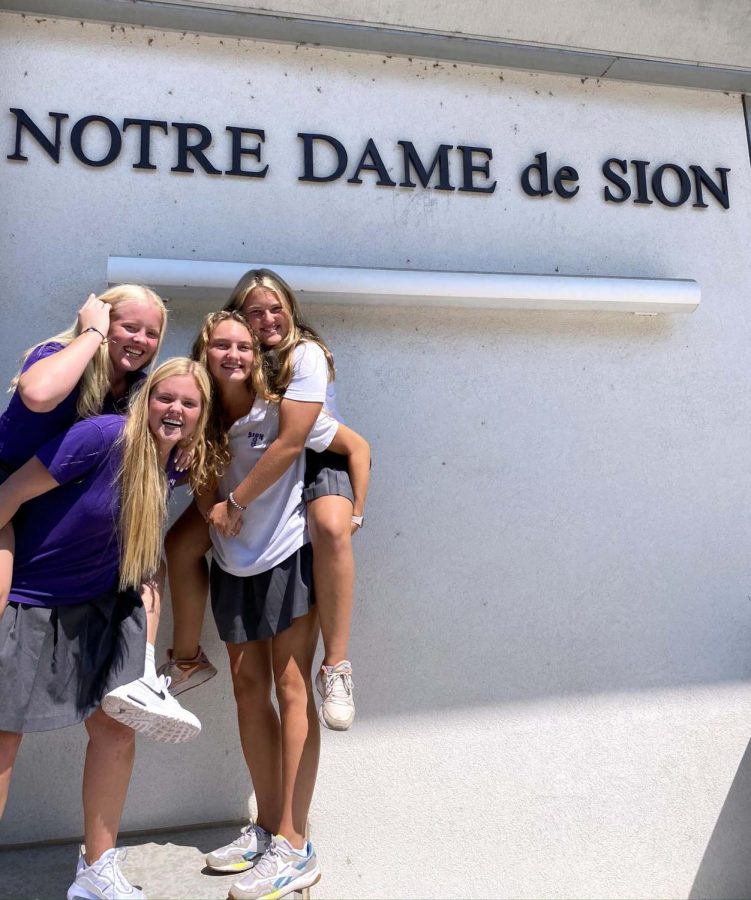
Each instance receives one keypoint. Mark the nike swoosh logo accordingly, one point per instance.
(159, 694)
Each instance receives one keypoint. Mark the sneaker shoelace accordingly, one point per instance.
(268, 864)
(245, 835)
(337, 684)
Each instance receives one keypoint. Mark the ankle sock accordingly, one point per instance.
(149, 672)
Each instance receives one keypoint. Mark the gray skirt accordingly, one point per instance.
(57, 663)
(326, 475)
(256, 607)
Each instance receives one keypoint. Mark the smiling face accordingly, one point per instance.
(266, 315)
(135, 326)
(174, 410)
(229, 354)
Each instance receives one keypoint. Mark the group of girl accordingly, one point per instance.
(90, 448)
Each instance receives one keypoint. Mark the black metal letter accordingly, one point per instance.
(619, 182)
(76, 143)
(702, 179)
(238, 150)
(24, 121)
(682, 177)
(308, 159)
(469, 168)
(541, 166)
(145, 125)
(412, 160)
(566, 173)
(195, 150)
(641, 181)
(376, 165)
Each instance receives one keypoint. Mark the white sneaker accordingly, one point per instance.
(334, 684)
(148, 708)
(243, 852)
(103, 879)
(280, 871)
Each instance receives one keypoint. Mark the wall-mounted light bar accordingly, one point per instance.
(408, 287)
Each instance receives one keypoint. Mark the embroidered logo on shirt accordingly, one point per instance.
(255, 438)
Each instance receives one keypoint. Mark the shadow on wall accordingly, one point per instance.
(724, 872)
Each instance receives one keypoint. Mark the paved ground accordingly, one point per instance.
(167, 866)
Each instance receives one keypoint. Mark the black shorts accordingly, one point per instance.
(326, 475)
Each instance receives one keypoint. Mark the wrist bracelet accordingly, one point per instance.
(231, 499)
(92, 328)
(358, 520)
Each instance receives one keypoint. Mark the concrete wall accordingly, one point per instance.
(551, 629)
(706, 31)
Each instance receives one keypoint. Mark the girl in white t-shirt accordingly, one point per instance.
(261, 596)
(299, 371)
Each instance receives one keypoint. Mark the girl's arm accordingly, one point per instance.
(357, 450)
(49, 381)
(296, 418)
(31, 480)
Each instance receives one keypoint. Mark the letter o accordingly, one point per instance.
(682, 177)
(76, 135)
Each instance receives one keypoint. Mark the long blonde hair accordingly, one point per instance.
(217, 439)
(96, 380)
(279, 359)
(143, 481)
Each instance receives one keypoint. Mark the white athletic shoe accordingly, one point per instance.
(280, 871)
(334, 684)
(103, 879)
(243, 852)
(148, 708)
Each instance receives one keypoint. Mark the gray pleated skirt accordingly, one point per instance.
(256, 607)
(326, 475)
(56, 664)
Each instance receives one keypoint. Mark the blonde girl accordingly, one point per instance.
(89, 508)
(262, 600)
(299, 370)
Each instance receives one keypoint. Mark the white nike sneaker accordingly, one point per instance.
(334, 684)
(103, 879)
(148, 708)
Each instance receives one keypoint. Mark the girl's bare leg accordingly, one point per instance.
(292, 654)
(260, 733)
(7, 549)
(330, 526)
(106, 776)
(186, 546)
(9, 744)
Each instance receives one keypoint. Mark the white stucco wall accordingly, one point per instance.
(553, 596)
(707, 31)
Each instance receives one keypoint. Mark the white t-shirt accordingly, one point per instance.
(274, 525)
(310, 378)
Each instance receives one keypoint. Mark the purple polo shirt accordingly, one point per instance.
(67, 548)
(23, 432)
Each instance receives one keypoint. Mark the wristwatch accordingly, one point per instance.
(358, 520)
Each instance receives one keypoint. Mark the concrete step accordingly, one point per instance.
(168, 865)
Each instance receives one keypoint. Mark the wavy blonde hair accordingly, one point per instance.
(143, 481)
(217, 439)
(278, 360)
(96, 380)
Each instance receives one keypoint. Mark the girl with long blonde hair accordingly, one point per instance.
(88, 369)
(299, 371)
(262, 599)
(89, 509)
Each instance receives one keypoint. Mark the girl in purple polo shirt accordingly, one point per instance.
(88, 510)
(89, 369)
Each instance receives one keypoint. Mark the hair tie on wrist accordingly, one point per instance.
(93, 328)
